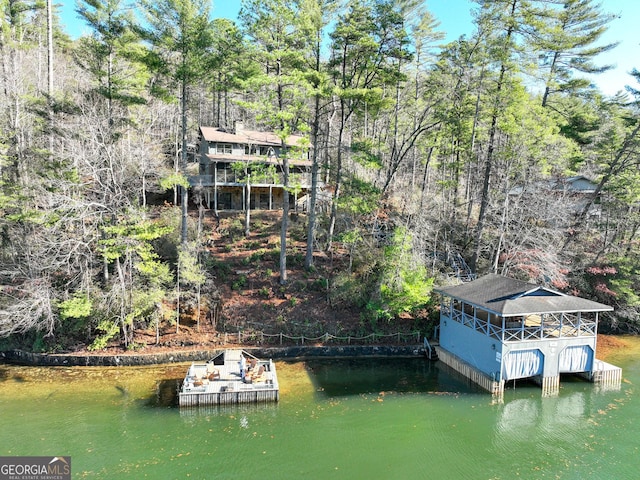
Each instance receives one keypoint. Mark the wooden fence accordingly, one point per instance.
(262, 338)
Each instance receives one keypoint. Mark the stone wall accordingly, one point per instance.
(20, 357)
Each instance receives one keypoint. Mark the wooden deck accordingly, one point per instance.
(232, 377)
(607, 376)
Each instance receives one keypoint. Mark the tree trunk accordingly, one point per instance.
(178, 299)
(183, 162)
(484, 203)
(338, 180)
(247, 210)
(123, 293)
(311, 227)
(285, 222)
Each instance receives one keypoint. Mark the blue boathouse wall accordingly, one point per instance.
(478, 350)
(546, 358)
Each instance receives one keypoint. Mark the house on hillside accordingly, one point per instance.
(576, 185)
(564, 197)
(243, 169)
(580, 190)
(496, 329)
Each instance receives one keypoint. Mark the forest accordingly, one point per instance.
(426, 156)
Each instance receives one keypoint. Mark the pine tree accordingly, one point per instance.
(365, 43)
(179, 35)
(316, 15)
(569, 43)
(281, 87)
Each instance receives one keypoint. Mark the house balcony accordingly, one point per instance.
(529, 328)
(231, 179)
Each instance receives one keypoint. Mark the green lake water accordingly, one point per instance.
(342, 419)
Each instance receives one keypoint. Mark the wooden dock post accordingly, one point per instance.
(607, 376)
(550, 386)
(495, 387)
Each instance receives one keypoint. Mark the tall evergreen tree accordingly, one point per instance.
(316, 14)
(281, 102)
(228, 64)
(412, 110)
(569, 44)
(506, 23)
(364, 44)
(179, 35)
(108, 53)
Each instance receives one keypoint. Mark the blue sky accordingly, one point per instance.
(455, 20)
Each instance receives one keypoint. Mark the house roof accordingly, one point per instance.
(251, 137)
(576, 184)
(508, 297)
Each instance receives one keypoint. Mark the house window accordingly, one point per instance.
(224, 200)
(268, 151)
(224, 149)
(251, 150)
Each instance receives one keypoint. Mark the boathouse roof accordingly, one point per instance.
(509, 297)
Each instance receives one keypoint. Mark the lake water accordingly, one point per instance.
(347, 419)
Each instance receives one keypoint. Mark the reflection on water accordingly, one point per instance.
(166, 394)
(555, 417)
(358, 418)
(346, 377)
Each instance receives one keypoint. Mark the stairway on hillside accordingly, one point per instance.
(461, 269)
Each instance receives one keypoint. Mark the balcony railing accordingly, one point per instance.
(528, 329)
(231, 178)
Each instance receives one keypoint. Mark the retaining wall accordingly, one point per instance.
(20, 357)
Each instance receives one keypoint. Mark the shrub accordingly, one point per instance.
(319, 284)
(110, 329)
(348, 289)
(294, 259)
(257, 255)
(240, 283)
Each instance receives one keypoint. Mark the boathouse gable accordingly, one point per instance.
(496, 329)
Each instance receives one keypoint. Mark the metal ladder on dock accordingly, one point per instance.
(429, 351)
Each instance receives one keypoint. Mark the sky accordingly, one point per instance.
(455, 20)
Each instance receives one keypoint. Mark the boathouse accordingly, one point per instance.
(231, 377)
(496, 329)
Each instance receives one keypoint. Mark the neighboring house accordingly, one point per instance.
(575, 185)
(580, 190)
(244, 168)
(573, 192)
(495, 329)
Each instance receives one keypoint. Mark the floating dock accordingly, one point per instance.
(233, 376)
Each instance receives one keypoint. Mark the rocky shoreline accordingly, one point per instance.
(21, 357)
